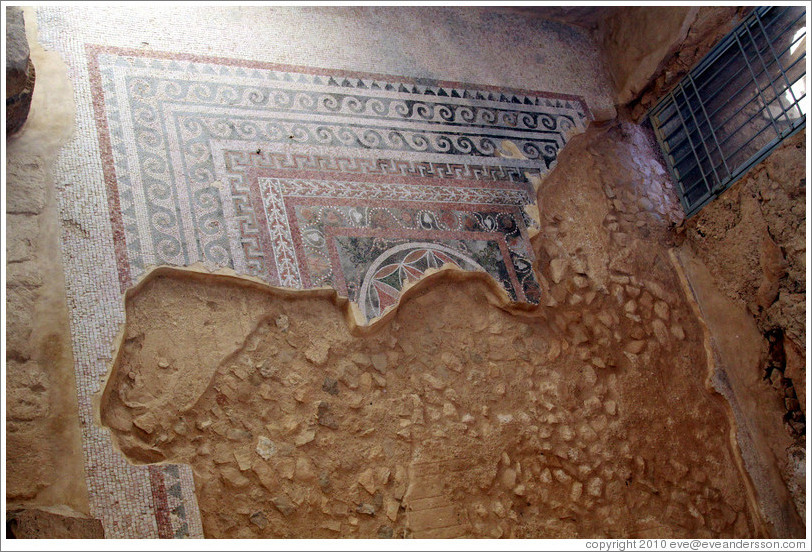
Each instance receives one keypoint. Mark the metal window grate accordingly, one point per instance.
(737, 105)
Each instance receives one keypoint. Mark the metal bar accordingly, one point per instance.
(728, 41)
(687, 155)
(730, 118)
(693, 167)
(671, 168)
(756, 114)
(733, 95)
(769, 146)
(772, 83)
(778, 61)
(687, 137)
(693, 149)
(696, 186)
(707, 80)
(759, 156)
(710, 126)
(751, 140)
(699, 205)
(726, 104)
(724, 86)
(662, 123)
(732, 59)
(675, 106)
(699, 130)
(757, 75)
(738, 128)
(696, 182)
(672, 147)
(743, 88)
(744, 56)
(801, 59)
(676, 145)
(711, 56)
(674, 132)
(731, 133)
(788, 25)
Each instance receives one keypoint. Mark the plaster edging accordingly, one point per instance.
(712, 370)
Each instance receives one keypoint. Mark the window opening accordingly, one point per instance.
(739, 103)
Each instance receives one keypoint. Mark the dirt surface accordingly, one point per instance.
(752, 241)
(739, 349)
(58, 524)
(44, 449)
(458, 415)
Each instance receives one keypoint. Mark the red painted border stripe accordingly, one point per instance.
(108, 169)
(156, 479)
(292, 202)
(428, 182)
(158, 488)
(338, 73)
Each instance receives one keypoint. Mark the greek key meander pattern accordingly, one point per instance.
(180, 117)
(302, 177)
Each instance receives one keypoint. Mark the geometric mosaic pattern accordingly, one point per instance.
(307, 178)
(302, 177)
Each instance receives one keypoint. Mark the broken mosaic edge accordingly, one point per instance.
(356, 323)
(358, 326)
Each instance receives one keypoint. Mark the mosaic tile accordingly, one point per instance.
(303, 177)
(292, 156)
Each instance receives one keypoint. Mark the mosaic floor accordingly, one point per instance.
(311, 179)
(303, 177)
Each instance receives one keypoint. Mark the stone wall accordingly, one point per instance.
(752, 241)
(648, 49)
(706, 29)
(44, 449)
(47, 524)
(636, 41)
(458, 414)
(20, 73)
(613, 357)
(751, 245)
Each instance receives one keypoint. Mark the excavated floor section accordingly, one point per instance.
(458, 414)
(454, 418)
